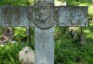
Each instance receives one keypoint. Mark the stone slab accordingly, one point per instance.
(15, 15)
(72, 16)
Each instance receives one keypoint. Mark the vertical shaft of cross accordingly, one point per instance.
(44, 46)
(44, 43)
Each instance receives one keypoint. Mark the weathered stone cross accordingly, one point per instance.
(43, 16)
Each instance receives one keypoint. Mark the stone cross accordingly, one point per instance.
(44, 16)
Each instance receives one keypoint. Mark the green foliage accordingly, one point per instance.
(19, 33)
(70, 51)
(9, 53)
(72, 1)
(17, 2)
(85, 1)
(90, 12)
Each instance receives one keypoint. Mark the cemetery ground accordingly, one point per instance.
(68, 50)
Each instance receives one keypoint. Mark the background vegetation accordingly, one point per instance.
(67, 49)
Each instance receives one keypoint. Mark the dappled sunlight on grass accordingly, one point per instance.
(90, 10)
(90, 35)
(91, 23)
(84, 4)
(87, 31)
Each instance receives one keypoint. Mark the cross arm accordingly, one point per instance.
(16, 15)
(44, 16)
(72, 16)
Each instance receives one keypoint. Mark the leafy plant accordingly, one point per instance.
(9, 53)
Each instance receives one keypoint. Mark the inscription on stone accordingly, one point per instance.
(9, 13)
(72, 16)
(15, 15)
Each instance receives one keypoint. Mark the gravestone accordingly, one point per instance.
(26, 56)
(44, 16)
